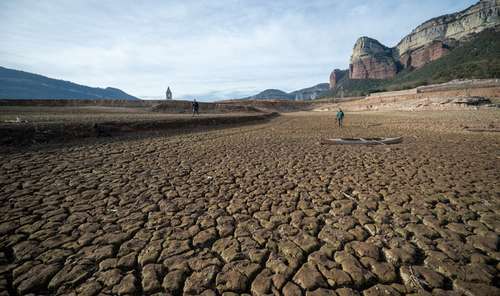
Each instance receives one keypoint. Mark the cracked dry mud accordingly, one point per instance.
(258, 210)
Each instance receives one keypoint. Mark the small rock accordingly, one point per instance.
(262, 283)
(200, 280)
(385, 272)
(205, 237)
(36, 278)
(335, 277)
(7, 227)
(70, 275)
(126, 286)
(381, 290)
(111, 277)
(107, 264)
(151, 278)
(484, 243)
(363, 249)
(149, 254)
(90, 288)
(102, 253)
(291, 289)
(306, 242)
(418, 277)
(309, 278)
(231, 280)
(128, 262)
(398, 256)
(173, 281)
(475, 289)
(351, 265)
(347, 292)
(321, 292)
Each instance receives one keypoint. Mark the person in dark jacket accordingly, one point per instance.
(196, 107)
(340, 117)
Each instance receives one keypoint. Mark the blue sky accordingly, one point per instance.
(204, 49)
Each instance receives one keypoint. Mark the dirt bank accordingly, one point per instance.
(23, 134)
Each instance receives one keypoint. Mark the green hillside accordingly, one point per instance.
(478, 58)
(355, 88)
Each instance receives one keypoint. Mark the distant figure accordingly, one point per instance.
(196, 107)
(168, 94)
(340, 117)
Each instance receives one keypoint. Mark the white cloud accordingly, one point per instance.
(217, 48)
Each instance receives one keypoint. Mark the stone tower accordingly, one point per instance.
(168, 94)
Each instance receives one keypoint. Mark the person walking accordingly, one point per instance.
(196, 107)
(340, 117)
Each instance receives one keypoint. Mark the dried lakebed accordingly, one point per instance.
(259, 210)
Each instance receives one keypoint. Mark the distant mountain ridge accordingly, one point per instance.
(271, 94)
(15, 84)
(309, 93)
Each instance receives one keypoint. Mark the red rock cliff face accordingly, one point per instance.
(334, 78)
(428, 42)
(372, 68)
(424, 55)
(371, 60)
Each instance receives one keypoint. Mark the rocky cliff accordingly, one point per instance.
(371, 60)
(485, 14)
(336, 76)
(428, 42)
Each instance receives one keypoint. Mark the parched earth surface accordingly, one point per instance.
(262, 210)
